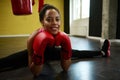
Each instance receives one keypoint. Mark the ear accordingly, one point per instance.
(42, 22)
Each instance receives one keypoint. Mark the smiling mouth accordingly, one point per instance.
(54, 28)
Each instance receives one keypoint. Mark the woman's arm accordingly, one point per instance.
(30, 46)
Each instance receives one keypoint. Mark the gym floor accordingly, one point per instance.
(97, 68)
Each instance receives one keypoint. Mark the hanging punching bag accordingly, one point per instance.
(21, 7)
(41, 3)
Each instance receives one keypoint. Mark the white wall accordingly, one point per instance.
(80, 27)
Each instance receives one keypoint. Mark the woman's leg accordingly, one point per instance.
(14, 61)
(104, 52)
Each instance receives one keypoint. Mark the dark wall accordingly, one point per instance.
(118, 22)
(66, 16)
(95, 20)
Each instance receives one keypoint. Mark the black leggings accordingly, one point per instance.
(20, 59)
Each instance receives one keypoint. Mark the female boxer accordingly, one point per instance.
(48, 37)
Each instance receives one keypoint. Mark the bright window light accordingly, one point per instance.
(79, 9)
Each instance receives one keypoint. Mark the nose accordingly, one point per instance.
(54, 21)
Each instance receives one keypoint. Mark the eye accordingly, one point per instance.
(48, 19)
(57, 19)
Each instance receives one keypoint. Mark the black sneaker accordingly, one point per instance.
(106, 48)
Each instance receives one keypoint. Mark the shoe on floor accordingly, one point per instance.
(106, 48)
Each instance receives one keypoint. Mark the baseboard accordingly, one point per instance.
(21, 35)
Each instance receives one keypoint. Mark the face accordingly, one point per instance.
(51, 21)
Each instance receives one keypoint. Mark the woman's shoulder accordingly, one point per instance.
(40, 29)
(63, 33)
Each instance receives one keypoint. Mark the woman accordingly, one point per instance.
(48, 37)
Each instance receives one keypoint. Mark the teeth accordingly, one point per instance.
(54, 28)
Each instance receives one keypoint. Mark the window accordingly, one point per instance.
(79, 9)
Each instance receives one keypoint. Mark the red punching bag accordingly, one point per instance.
(21, 7)
(41, 3)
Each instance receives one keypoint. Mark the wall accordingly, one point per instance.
(109, 19)
(118, 21)
(95, 20)
(21, 25)
(14, 28)
(80, 27)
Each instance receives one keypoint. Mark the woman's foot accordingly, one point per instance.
(106, 48)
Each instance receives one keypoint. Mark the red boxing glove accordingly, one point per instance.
(41, 41)
(62, 39)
